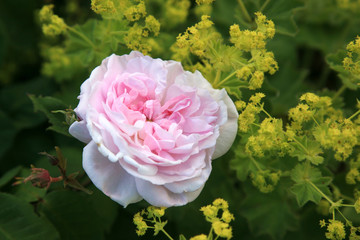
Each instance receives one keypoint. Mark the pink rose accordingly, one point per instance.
(151, 129)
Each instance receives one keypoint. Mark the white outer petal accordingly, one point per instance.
(160, 196)
(192, 184)
(109, 177)
(80, 131)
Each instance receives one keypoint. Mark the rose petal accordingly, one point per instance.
(160, 196)
(80, 131)
(109, 177)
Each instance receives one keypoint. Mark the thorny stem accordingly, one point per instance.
(244, 11)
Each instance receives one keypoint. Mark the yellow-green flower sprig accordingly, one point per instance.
(52, 25)
(335, 229)
(351, 62)
(151, 215)
(139, 34)
(219, 216)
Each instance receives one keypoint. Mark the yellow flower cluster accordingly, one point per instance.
(269, 137)
(52, 25)
(247, 40)
(357, 206)
(335, 230)
(351, 63)
(103, 7)
(153, 215)
(135, 12)
(312, 107)
(140, 224)
(138, 36)
(254, 42)
(265, 180)
(340, 136)
(249, 112)
(353, 175)
(195, 39)
(199, 2)
(220, 224)
(316, 117)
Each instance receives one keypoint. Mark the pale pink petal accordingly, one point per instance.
(79, 130)
(192, 184)
(160, 196)
(109, 177)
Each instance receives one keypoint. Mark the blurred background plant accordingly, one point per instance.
(291, 66)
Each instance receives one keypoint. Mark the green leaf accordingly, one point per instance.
(282, 12)
(81, 42)
(106, 208)
(72, 214)
(311, 153)
(47, 105)
(268, 214)
(308, 184)
(19, 221)
(17, 105)
(9, 175)
(242, 164)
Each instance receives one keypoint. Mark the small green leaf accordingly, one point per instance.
(311, 151)
(47, 105)
(19, 221)
(308, 184)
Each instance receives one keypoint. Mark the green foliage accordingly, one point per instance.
(72, 214)
(269, 214)
(47, 105)
(18, 221)
(307, 180)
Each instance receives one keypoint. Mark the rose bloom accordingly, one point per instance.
(151, 129)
